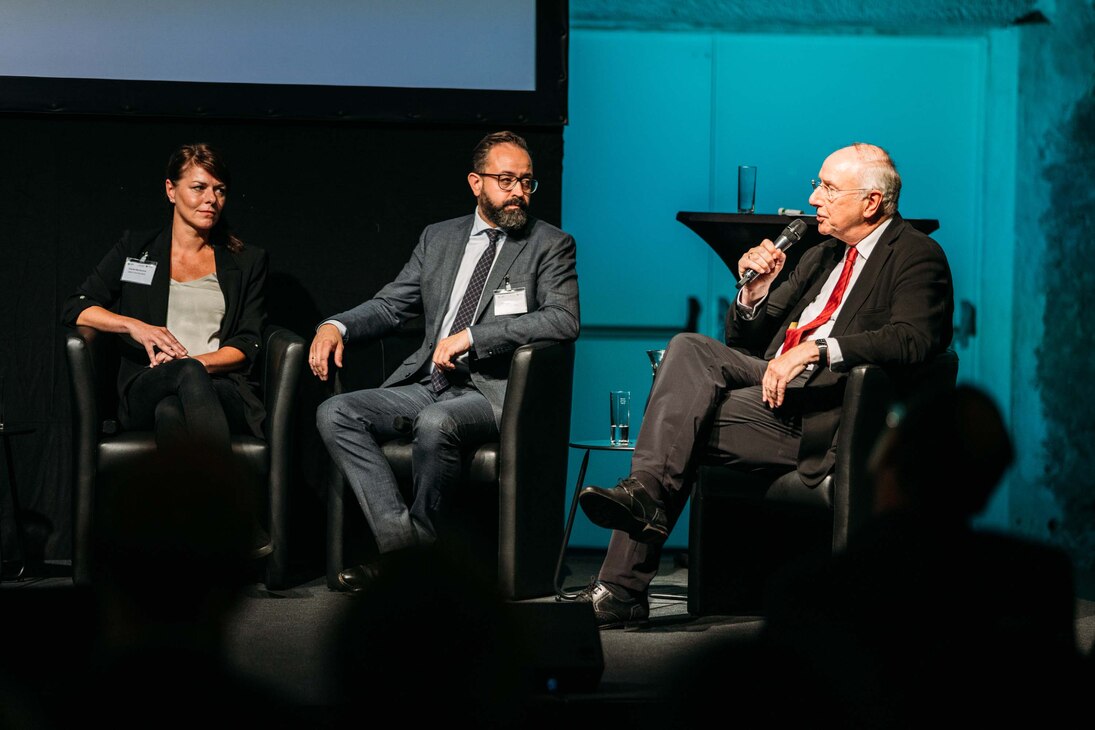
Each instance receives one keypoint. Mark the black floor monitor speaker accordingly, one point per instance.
(562, 645)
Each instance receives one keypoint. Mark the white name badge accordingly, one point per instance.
(138, 272)
(509, 301)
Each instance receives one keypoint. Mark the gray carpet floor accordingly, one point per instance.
(282, 637)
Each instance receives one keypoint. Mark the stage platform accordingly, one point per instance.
(281, 642)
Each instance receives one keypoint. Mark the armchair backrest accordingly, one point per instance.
(870, 393)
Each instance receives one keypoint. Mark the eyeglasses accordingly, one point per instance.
(506, 182)
(832, 193)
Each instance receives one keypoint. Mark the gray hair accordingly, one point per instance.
(878, 172)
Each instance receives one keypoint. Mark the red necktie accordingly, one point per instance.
(794, 336)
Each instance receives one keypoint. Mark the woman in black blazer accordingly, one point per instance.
(188, 304)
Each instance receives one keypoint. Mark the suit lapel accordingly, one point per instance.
(451, 257)
(448, 258)
(831, 260)
(230, 279)
(510, 250)
(825, 267)
(866, 281)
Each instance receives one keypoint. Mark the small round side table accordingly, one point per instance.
(589, 447)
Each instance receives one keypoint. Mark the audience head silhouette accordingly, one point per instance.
(942, 455)
(431, 636)
(172, 558)
(173, 539)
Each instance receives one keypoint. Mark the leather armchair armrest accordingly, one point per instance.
(80, 349)
(533, 446)
(284, 353)
(867, 398)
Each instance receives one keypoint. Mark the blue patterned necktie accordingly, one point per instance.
(470, 302)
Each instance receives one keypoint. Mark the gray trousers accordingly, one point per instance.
(705, 406)
(354, 425)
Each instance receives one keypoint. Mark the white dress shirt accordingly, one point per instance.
(814, 308)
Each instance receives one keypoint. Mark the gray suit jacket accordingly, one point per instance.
(541, 260)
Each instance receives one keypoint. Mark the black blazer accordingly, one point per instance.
(898, 315)
(242, 278)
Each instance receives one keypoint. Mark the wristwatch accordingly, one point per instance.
(822, 353)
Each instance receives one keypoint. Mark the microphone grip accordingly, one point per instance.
(791, 233)
(747, 277)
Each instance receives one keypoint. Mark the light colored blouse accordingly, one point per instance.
(194, 313)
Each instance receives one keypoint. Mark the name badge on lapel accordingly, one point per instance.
(508, 300)
(139, 271)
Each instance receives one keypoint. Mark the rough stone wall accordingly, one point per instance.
(922, 16)
(1055, 232)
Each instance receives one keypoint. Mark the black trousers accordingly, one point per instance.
(705, 406)
(183, 403)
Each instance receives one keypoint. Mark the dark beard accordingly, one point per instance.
(510, 221)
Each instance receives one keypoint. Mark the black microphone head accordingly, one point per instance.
(791, 234)
(795, 229)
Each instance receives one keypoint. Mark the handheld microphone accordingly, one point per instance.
(791, 234)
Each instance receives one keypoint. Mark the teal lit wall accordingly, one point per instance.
(659, 122)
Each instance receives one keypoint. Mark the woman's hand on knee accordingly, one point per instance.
(156, 340)
(160, 358)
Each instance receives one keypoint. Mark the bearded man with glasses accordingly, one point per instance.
(484, 284)
(878, 291)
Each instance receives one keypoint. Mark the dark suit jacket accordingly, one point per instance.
(898, 315)
(242, 278)
(541, 260)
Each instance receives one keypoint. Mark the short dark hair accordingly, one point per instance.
(212, 161)
(479, 154)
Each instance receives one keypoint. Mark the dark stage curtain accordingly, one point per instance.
(338, 207)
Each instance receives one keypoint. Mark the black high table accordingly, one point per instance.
(731, 234)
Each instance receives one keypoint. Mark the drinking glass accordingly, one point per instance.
(619, 411)
(747, 188)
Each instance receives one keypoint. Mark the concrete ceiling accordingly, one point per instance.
(850, 16)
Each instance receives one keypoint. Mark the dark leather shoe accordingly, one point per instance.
(626, 507)
(614, 606)
(358, 578)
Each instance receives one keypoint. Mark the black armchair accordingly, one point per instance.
(514, 488)
(101, 449)
(743, 525)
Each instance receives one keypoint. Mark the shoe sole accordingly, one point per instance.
(347, 588)
(644, 623)
(612, 515)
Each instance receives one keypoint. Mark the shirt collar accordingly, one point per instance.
(479, 225)
(867, 245)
